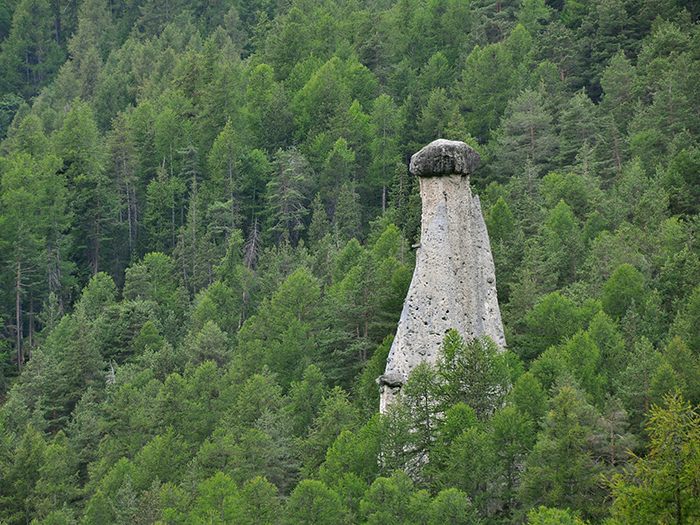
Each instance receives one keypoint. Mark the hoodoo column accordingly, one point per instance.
(454, 282)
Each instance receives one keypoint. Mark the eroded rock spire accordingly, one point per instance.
(454, 282)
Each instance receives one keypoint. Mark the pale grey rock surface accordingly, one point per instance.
(454, 282)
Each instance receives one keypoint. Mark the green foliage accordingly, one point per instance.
(259, 503)
(79, 146)
(452, 506)
(164, 457)
(305, 399)
(354, 453)
(476, 374)
(686, 319)
(387, 499)
(285, 324)
(624, 288)
(148, 338)
(583, 358)
(23, 476)
(501, 221)
(9, 104)
(525, 135)
(57, 483)
(469, 465)
(548, 516)
(554, 318)
(514, 434)
(336, 415)
(528, 396)
(367, 392)
(313, 502)
(185, 340)
(218, 501)
(31, 50)
(659, 488)
(487, 98)
(286, 194)
(636, 380)
(365, 299)
(562, 470)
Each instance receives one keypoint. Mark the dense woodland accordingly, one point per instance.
(206, 222)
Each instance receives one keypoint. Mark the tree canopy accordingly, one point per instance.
(206, 222)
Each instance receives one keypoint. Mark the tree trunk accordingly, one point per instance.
(617, 149)
(384, 198)
(31, 323)
(18, 318)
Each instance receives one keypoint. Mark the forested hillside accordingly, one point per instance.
(206, 222)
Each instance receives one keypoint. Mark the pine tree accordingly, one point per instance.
(487, 85)
(561, 471)
(526, 135)
(31, 54)
(91, 194)
(224, 163)
(33, 202)
(286, 197)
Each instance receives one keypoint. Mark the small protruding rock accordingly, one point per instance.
(390, 380)
(444, 157)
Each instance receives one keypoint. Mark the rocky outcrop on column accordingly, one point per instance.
(454, 282)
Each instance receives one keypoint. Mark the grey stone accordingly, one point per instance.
(392, 380)
(454, 282)
(444, 157)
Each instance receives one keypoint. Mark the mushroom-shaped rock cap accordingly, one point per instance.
(443, 157)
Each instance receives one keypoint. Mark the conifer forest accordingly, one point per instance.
(206, 231)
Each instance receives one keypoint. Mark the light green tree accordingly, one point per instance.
(661, 487)
(474, 373)
(312, 502)
(388, 500)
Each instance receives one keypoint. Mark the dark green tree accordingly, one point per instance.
(526, 136)
(562, 471)
(19, 502)
(385, 126)
(31, 55)
(286, 197)
(91, 194)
